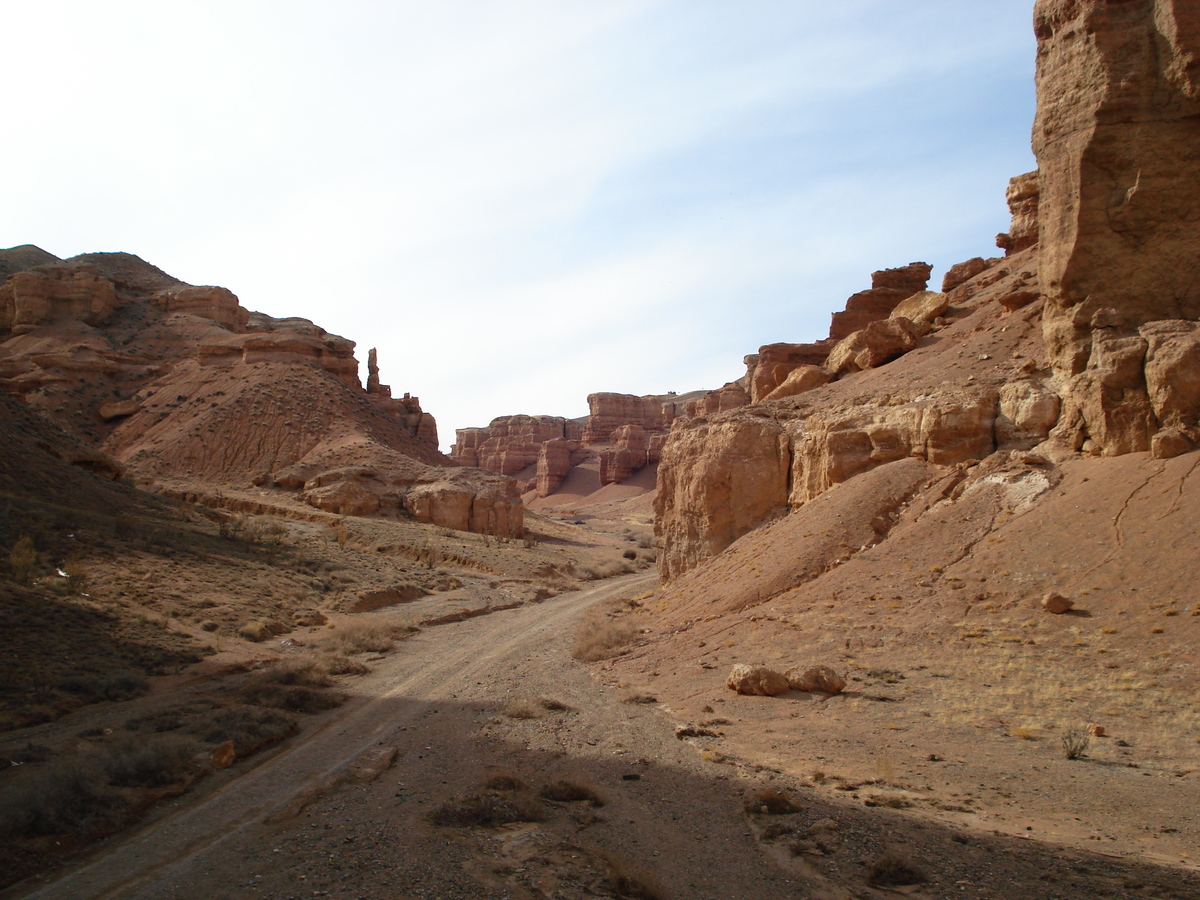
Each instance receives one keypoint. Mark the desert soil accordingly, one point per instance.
(461, 704)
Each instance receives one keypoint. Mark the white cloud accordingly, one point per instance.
(520, 203)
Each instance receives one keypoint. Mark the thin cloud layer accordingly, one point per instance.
(519, 203)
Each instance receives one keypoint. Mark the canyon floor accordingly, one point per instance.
(484, 714)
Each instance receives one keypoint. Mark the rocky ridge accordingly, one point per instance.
(1082, 338)
(177, 381)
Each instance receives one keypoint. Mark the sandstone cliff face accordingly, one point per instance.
(510, 444)
(608, 412)
(717, 481)
(1117, 137)
(49, 294)
(1099, 276)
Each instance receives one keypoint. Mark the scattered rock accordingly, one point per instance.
(815, 678)
(1057, 604)
(756, 680)
(1095, 729)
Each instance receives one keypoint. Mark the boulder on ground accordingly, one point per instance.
(1056, 603)
(815, 678)
(756, 680)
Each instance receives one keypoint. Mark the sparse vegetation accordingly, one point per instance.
(365, 637)
(487, 808)
(602, 636)
(893, 869)
(1075, 742)
(770, 802)
(22, 559)
(570, 792)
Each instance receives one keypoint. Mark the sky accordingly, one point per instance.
(521, 202)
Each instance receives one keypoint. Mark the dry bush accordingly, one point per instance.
(365, 637)
(65, 798)
(487, 808)
(894, 870)
(155, 763)
(523, 708)
(257, 630)
(248, 727)
(606, 569)
(601, 637)
(338, 664)
(1074, 743)
(291, 697)
(307, 671)
(22, 559)
(770, 802)
(503, 782)
(95, 688)
(570, 792)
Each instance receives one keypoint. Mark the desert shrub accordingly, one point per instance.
(155, 763)
(309, 672)
(76, 576)
(94, 688)
(771, 802)
(486, 808)
(630, 554)
(505, 783)
(523, 708)
(553, 705)
(249, 727)
(365, 637)
(291, 697)
(65, 798)
(337, 664)
(22, 559)
(1074, 743)
(260, 629)
(895, 870)
(600, 637)
(570, 792)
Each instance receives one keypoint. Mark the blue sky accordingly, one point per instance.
(520, 202)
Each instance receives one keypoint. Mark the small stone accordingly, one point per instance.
(1056, 603)
(1095, 729)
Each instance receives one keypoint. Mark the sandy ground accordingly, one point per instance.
(310, 820)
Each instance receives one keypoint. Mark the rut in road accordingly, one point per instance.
(428, 667)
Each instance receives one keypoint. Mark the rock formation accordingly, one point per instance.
(608, 412)
(179, 381)
(510, 444)
(1101, 259)
(1117, 138)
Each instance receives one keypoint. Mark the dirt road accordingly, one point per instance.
(464, 703)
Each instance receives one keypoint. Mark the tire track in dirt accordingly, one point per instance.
(428, 667)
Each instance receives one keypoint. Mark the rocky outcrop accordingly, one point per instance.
(1117, 137)
(1023, 192)
(628, 453)
(770, 367)
(217, 304)
(880, 342)
(39, 296)
(608, 412)
(510, 444)
(923, 309)
(717, 480)
(304, 344)
(800, 380)
(554, 462)
(962, 272)
(944, 429)
(888, 288)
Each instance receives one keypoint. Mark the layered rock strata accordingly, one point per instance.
(1117, 138)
